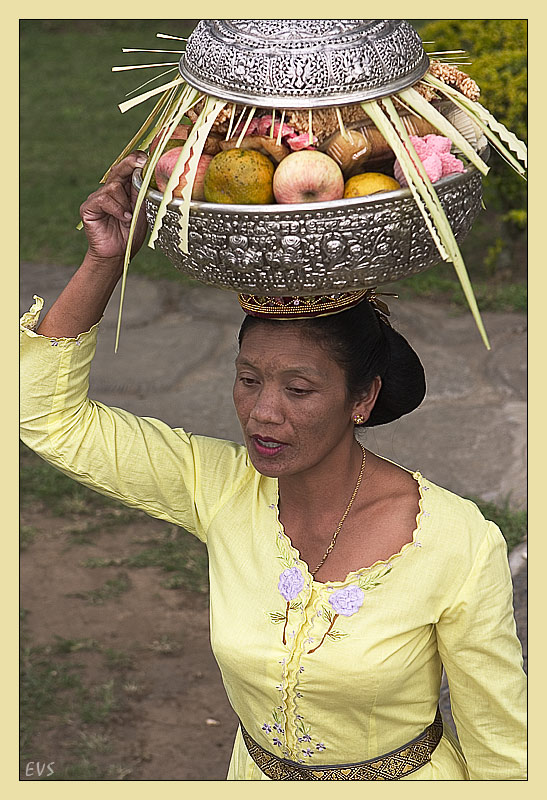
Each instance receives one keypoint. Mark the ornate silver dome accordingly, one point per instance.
(303, 63)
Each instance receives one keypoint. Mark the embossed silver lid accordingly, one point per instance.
(303, 63)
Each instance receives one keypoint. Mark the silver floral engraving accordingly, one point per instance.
(297, 63)
(315, 247)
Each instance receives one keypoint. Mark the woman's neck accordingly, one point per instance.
(306, 493)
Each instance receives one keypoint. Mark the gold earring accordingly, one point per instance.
(358, 419)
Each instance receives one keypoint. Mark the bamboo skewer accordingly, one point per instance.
(155, 78)
(144, 66)
(232, 115)
(169, 36)
(280, 131)
(146, 50)
(246, 126)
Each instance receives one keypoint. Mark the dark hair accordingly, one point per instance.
(364, 346)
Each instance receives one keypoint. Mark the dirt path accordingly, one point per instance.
(154, 701)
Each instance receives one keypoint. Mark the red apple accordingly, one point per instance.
(308, 176)
(166, 165)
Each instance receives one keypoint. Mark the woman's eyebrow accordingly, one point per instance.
(296, 369)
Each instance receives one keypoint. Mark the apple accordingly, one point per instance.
(308, 176)
(166, 165)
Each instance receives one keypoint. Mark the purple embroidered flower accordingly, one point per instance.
(347, 601)
(277, 741)
(305, 738)
(291, 582)
(267, 728)
(301, 669)
(320, 746)
(308, 752)
(278, 728)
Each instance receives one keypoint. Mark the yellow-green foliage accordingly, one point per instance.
(497, 49)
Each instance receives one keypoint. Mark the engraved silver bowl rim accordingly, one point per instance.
(215, 225)
(323, 97)
(288, 208)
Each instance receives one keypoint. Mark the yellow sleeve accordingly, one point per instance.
(142, 462)
(482, 657)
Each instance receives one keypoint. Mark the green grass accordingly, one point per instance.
(439, 283)
(110, 590)
(512, 523)
(71, 129)
(178, 554)
(181, 556)
(39, 482)
(55, 692)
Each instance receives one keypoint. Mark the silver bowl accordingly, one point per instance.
(313, 248)
(303, 63)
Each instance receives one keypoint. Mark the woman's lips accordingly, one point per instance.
(265, 446)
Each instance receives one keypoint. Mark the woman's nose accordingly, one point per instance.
(267, 407)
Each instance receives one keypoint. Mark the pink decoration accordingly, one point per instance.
(434, 153)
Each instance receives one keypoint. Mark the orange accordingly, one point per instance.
(369, 183)
(240, 177)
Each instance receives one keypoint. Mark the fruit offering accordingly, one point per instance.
(274, 162)
(369, 183)
(434, 153)
(308, 176)
(166, 165)
(240, 177)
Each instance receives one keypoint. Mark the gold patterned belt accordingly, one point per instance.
(389, 767)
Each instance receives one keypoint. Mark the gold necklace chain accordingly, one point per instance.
(346, 512)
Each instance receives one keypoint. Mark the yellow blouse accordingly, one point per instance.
(321, 673)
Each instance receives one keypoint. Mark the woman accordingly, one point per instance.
(340, 583)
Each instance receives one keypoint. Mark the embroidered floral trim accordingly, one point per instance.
(291, 583)
(346, 602)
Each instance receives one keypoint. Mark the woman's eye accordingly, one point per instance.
(297, 391)
(246, 381)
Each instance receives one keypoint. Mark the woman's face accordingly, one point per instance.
(291, 400)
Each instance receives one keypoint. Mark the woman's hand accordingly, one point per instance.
(106, 214)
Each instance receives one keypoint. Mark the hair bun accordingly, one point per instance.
(403, 382)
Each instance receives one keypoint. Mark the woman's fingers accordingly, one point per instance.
(102, 204)
(124, 170)
(107, 212)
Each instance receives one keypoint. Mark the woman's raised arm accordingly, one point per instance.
(106, 217)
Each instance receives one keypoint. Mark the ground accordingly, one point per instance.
(119, 681)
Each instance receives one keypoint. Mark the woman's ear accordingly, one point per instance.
(362, 408)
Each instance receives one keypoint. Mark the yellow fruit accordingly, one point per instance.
(369, 183)
(240, 177)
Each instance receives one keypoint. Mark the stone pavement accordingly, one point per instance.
(175, 362)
